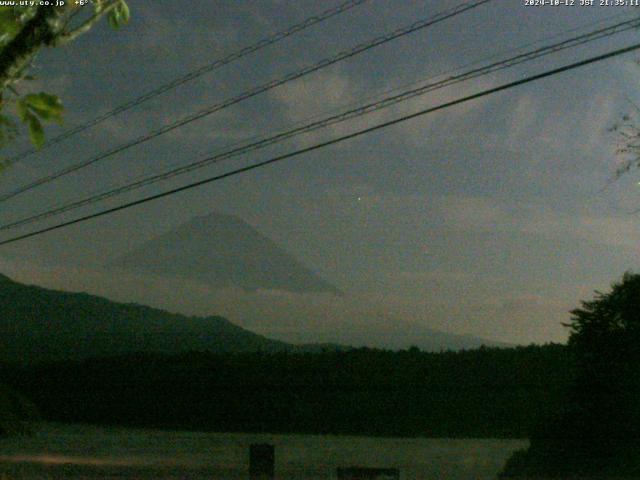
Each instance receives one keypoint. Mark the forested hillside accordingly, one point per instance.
(38, 324)
(478, 393)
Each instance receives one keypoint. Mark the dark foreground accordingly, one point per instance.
(484, 393)
(74, 452)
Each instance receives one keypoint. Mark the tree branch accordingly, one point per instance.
(19, 52)
(67, 37)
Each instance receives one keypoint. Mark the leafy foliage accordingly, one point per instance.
(119, 16)
(33, 108)
(8, 130)
(19, 44)
(598, 426)
(9, 24)
(611, 317)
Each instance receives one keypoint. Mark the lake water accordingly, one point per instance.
(64, 451)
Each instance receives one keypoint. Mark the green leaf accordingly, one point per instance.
(23, 110)
(6, 17)
(46, 106)
(8, 130)
(25, 13)
(36, 132)
(125, 14)
(120, 15)
(98, 5)
(113, 20)
(6, 121)
(9, 25)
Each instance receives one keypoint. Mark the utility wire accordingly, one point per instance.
(333, 141)
(399, 88)
(331, 120)
(439, 17)
(192, 75)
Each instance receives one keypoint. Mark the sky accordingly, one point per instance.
(492, 218)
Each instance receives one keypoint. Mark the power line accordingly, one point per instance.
(333, 141)
(192, 75)
(439, 17)
(331, 120)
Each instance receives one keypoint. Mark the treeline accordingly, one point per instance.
(487, 392)
(595, 431)
(15, 412)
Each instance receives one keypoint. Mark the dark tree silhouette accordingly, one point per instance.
(597, 433)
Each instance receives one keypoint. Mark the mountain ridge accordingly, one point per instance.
(39, 324)
(385, 332)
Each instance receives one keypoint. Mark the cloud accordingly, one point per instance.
(188, 39)
(61, 85)
(455, 119)
(473, 213)
(326, 93)
(523, 118)
(524, 316)
(490, 214)
(620, 231)
(317, 96)
(313, 94)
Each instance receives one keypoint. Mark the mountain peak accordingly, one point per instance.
(222, 250)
